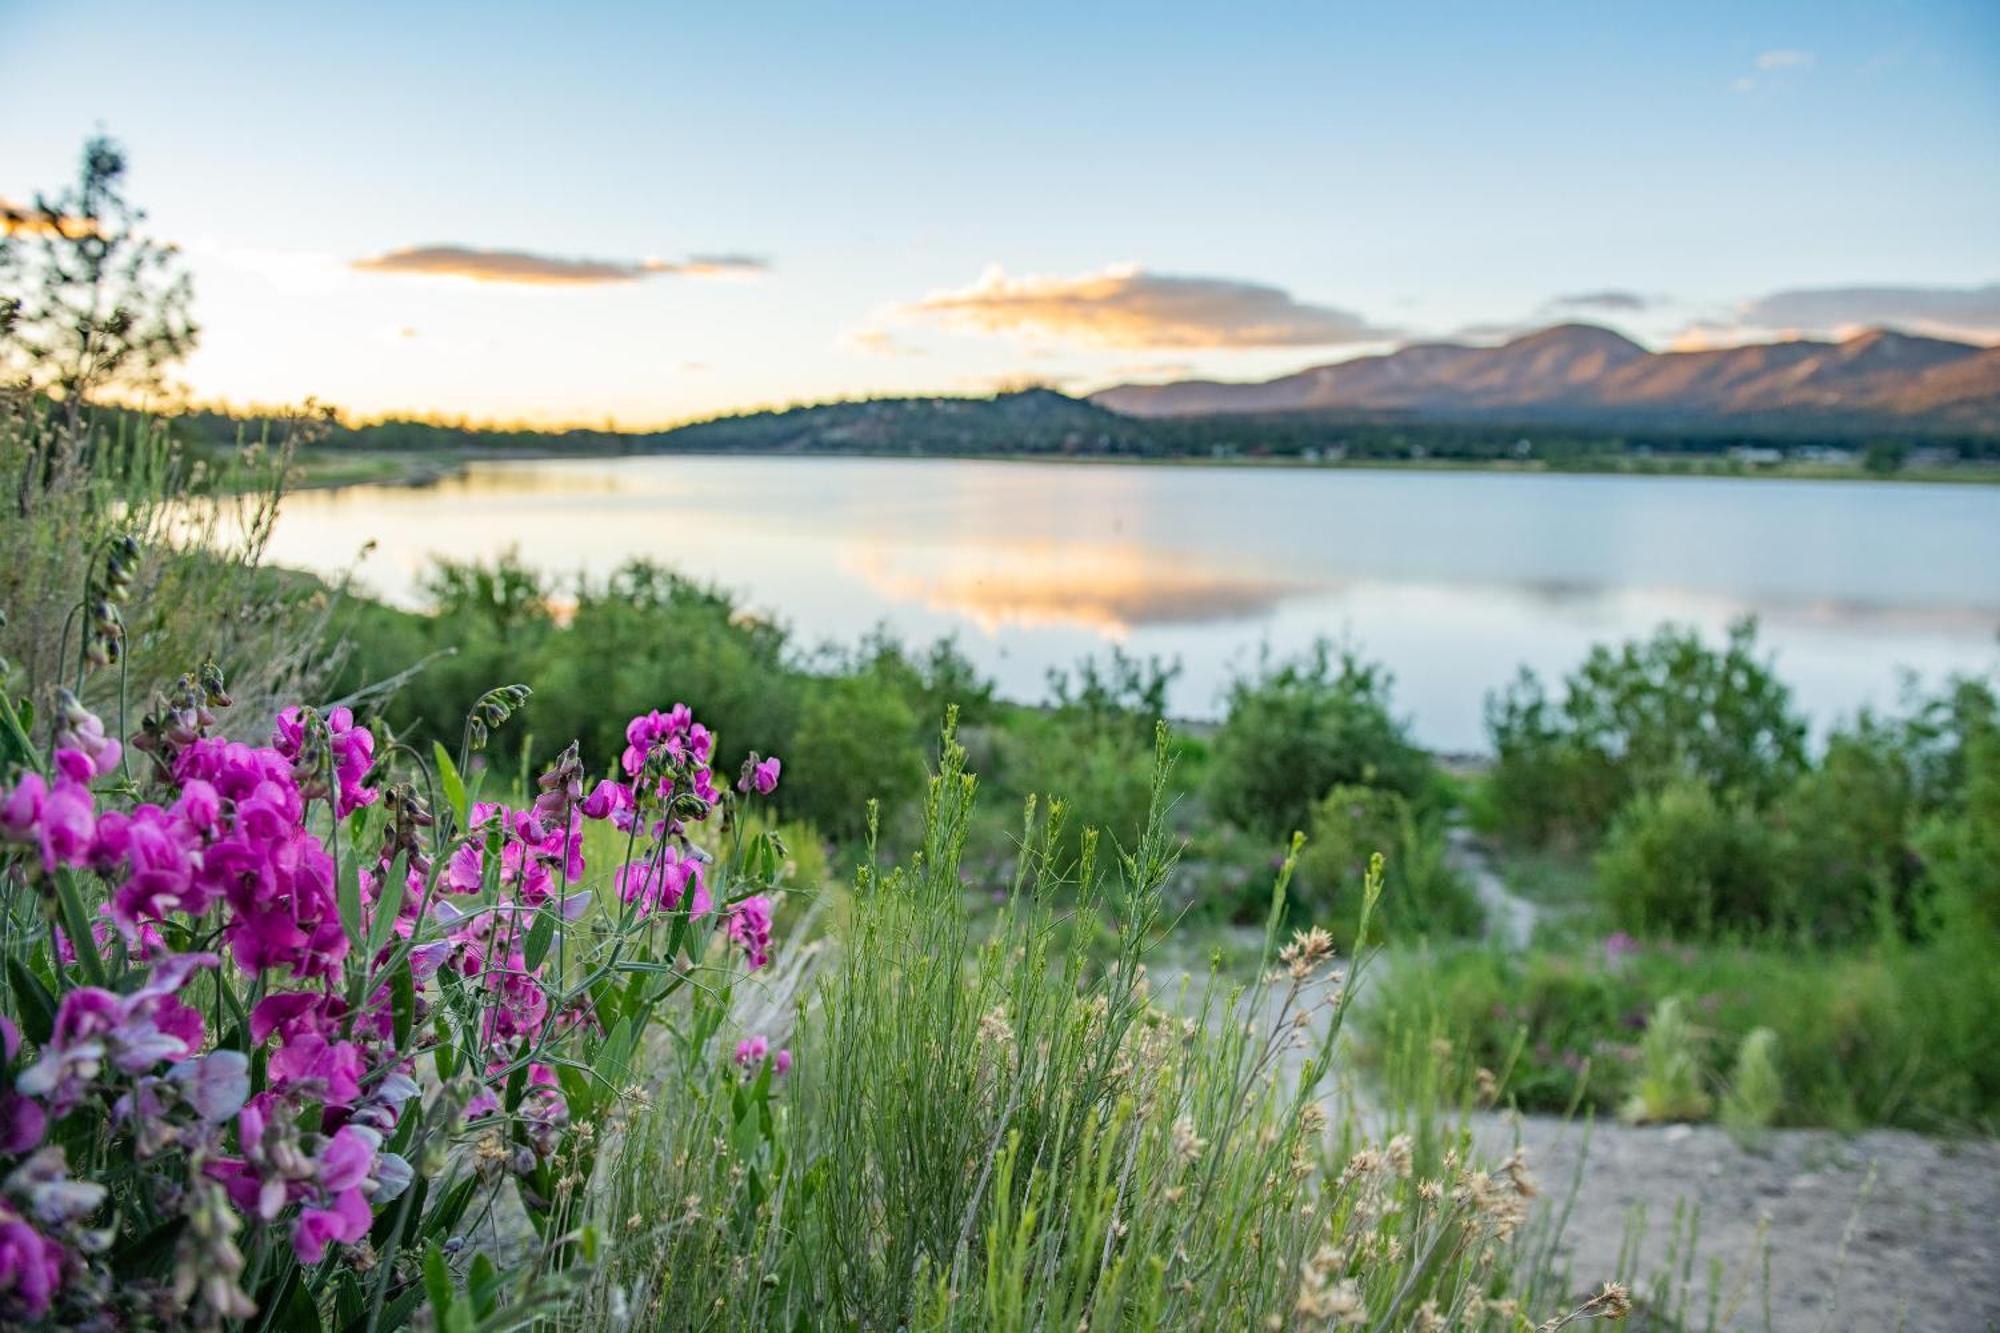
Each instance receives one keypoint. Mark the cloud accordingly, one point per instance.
(1605, 300)
(876, 342)
(522, 267)
(33, 220)
(1125, 306)
(1967, 312)
(1155, 370)
(1774, 63)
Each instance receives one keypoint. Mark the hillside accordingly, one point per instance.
(1581, 372)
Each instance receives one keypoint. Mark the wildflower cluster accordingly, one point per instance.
(258, 957)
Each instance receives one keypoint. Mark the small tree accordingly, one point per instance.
(88, 301)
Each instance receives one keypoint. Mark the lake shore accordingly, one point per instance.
(326, 469)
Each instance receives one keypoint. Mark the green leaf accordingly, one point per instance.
(402, 1002)
(540, 936)
(615, 1055)
(482, 1285)
(578, 1090)
(388, 902)
(37, 1005)
(445, 1052)
(453, 784)
(395, 1314)
(297, 1308)
(348, 897)
(437, 1282)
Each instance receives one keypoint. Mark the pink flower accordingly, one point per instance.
(605, 799)
(760, 775)
(353, 750)
(345, 1222)
(750, 927)
(21, 810)
(348, 1159)
(80, 731)
(781, 1063)
(660, 882)
(67, 822)
(30, 1268)
(751, 1050)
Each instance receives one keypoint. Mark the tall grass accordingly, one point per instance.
(196, 589)
(986, 1130)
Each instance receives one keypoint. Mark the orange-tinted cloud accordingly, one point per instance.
(1128, 307)
(876, 342)
(27, 220)
(524, 268)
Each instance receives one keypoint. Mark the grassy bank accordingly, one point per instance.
(325, 468)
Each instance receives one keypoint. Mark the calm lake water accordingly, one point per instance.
(1454, 579)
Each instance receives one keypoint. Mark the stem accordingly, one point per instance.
(77, 927)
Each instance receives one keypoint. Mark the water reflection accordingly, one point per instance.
(1454, 580)
(1110, 588)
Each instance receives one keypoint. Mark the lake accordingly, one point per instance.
(1454, 579)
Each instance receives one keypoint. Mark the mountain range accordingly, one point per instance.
(1581, 372)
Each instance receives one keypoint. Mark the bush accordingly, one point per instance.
(1669, 1080)
(1844, 836)
(1682, 863)
(1423, 894)
(855, 744)
(1298, 728)
(1904, 1036)
(1632, 720)
(1756, 1089)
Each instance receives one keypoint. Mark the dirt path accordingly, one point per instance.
(1878, 1231)
(1881, 1230)
(1509, 920)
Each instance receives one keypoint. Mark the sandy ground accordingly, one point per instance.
(1815, 1230)
(1883, 1230)
(1812, 1231)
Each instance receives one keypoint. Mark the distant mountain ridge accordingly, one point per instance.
(1584, 372)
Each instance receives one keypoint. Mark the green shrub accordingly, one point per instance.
(1669, 1081)
(855, 744)
(1633, 719)
(1960, 844)
(1845, 829)
(1298, 728)
(1756, 1089)
(1905, 1036)
(1103, 773)
(1680, 862)
(1423, 893)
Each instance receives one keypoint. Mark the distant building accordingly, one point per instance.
(1756, 455)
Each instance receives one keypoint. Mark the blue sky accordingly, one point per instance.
(947, 199)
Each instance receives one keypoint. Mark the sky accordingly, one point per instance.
(636, 214)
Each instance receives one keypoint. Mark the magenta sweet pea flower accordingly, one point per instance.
(30, 1268)
(346, 1222)
(750, 927)
(80, 731)
(67, 822)
(21, 808)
